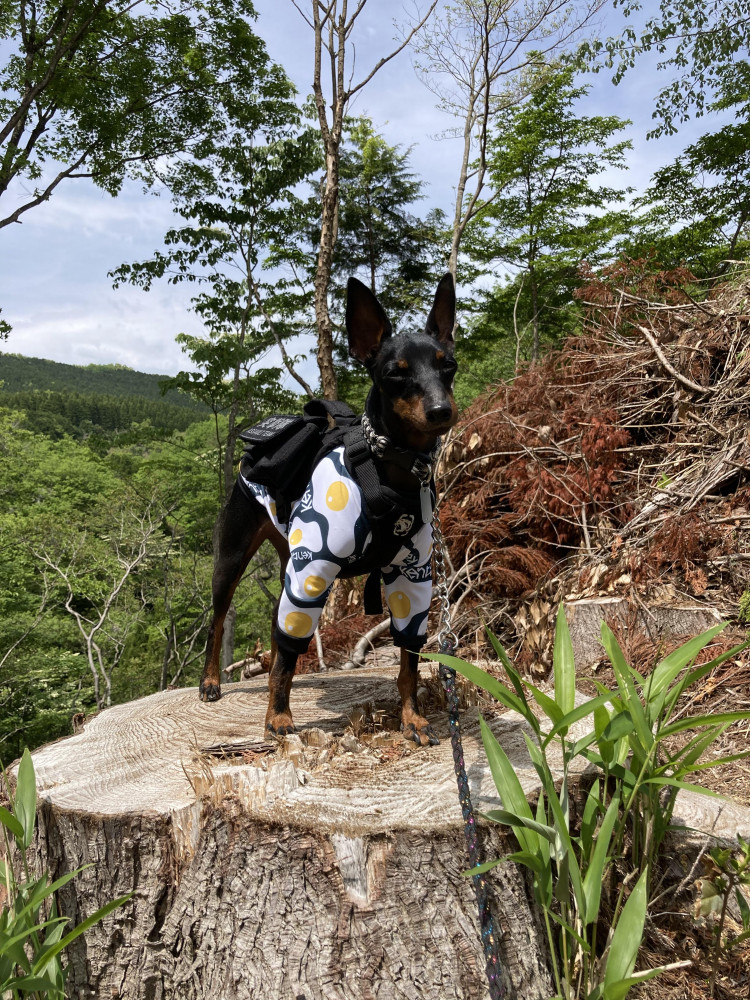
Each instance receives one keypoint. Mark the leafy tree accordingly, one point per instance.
(378, 234)
(242, 214)
(475, 59)
(396, 252)
(333, 25)
(698, 208)
(546, 215)
(703, 43)
(107, 87)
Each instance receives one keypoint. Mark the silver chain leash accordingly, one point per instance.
(448, 642)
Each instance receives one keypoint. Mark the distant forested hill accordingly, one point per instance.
(101, 404)
(19, 374)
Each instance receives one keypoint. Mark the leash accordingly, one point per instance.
(448, 642)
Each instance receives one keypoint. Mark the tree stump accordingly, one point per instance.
(326, 865)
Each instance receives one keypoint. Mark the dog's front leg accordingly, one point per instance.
(279, 717)
(413, 725)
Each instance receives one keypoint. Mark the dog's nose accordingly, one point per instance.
(439, 413)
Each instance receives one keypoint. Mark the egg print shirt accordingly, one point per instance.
(327, 531)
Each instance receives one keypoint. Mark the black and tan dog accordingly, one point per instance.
(331, 531)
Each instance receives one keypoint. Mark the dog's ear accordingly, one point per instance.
(442, 316)
(366, 322)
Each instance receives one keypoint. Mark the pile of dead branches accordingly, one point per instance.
(621, 461)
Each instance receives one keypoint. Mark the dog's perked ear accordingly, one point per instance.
(366, 322)
(442, 316)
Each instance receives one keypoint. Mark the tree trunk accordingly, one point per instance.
(323, 275)
(325, 866)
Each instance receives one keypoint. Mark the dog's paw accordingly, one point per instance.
(423, 735)
(209, 692)
(280, 725)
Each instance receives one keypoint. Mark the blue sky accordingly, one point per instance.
(54, 288)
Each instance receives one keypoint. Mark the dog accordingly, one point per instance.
(409, 407)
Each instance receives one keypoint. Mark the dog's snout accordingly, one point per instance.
(439, 413)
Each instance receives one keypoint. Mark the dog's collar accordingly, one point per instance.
(418, 463)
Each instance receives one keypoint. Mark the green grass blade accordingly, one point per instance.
(563, 664)
(508, 818)
(548, 705)
(699, 721)
(577, 713)
(592, 881)
(627, 687)
(507, 783)
(481, 869)
(667, 670)
(626, 940)
(499, 691)
(10, 822)
(83, 927)
(24, 805)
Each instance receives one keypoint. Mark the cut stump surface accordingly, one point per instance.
(327, 868)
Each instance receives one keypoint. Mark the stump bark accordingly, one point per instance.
(325, 867)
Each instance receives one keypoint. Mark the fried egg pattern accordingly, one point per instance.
(328, 529)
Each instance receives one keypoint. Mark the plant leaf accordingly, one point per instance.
(507, 783)
(25, 798)
(592, 881)
(563, 664)
(626, 939)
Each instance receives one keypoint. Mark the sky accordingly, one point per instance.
(54, 284)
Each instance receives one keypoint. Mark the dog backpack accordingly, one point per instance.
(282, 450)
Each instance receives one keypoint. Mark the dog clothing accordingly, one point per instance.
(328, 531)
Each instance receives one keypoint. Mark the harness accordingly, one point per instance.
(282, 450)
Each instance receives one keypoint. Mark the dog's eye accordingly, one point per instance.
(395, 372)
(449, 369)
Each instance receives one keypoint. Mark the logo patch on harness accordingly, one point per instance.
(404, 525)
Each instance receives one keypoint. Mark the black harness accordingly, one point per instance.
(282, 450)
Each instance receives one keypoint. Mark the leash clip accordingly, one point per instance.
(422, 470)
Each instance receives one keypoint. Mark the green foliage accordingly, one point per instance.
(698, 208)
(32, 935)
(107, 89)
(639, 772)
(382, 241)
(101, 421)
(237, 197)
(701, 41)
(392, 250)
(546, 215)
(743, 613)
(21, 374)
(729, 876)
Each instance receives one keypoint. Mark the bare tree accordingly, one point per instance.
(332, 27)
(98, 590)
(474, 60)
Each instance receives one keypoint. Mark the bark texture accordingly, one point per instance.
(328, 873)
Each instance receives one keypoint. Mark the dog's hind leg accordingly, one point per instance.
(413, 725)
(244, 525)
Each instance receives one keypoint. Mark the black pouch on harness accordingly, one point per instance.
(281, 450)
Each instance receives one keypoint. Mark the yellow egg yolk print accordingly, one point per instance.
(314, 586)
(399, 604)
(298, 623)
(296, 537)
(337, 496)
